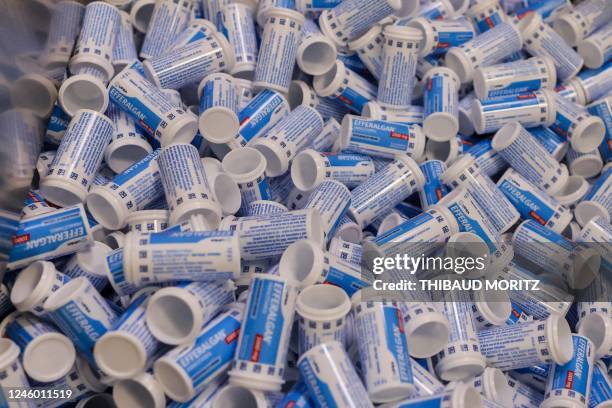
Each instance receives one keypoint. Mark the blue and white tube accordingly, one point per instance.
(465, 173)
(598, 201)
(291, 134)
(81, 313)
(441, 100)
(48, 355)
(189, 256)
(533, 203)
(128, 144)
(176, 314)
(332, 199)
(385, 189)
(311, 168)
(440, 35)
(129, 335)
(187, 370)
(400, 51)
(554, 144)
(185, 185)
(169, 18)
(603, 109)
(331, 378)
(218, 120)
(49, 236)
(345, 85)
(236, 23)
(78, 158)
(267, 236)
(551, 252)
(247, 168)
(262, 113)
(583, 131)
(515, 77)
(382, 138)
(383, 350)
(124, 51)
(132, 190)
(418, 235)
(188, 64)
(278, 49)
(530, 109)
(601, 386)
(150, 108)
(485, 49)
(570, 383)
(433, 189)
(529, 158)
(527, 344)
(263, 343)
(541, 40)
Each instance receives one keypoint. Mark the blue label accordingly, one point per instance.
(546, 234)
(297, 397)
(604, 111)
(547, 138)
(601, 387)
(18, 334)
(318, 389)
(450, 39)
(488, 23)
(433, 402)
(403, 228)
(78, 326)
(353, 99)
(345, 160)
(433, 189)
(575, 374)
(257, 114)
(188, 237)
(527, 204)
(142, 115)
(47, 233)
(562, 125)
(59, 120)
(264, 189)
(207, 99)
(264, 321)
(396, 342)
(347, 282)
(408, 210)
(380, 133)
(469, 224)
(434, 95)
(324, 4)
(212, 350)
(517, 87)
(114, 263)
(137, 168)
(509, 102)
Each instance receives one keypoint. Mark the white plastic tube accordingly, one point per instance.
(78, 158)
(185, 185)
(150, 108)
(175, 315)
(180, 256)
(322, 312)
(260, 359)
(329, 365)
(552, 339)
(133, 190)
